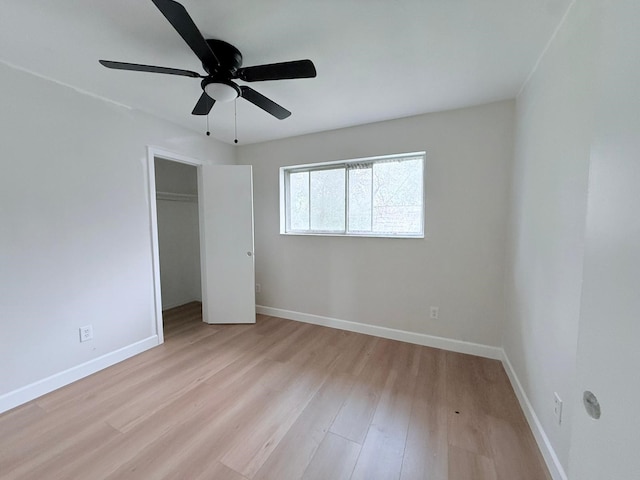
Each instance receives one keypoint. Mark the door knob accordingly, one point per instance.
(249, 254)
(591, 405)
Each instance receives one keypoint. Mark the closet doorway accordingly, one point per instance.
(222, 235)
(178, 233)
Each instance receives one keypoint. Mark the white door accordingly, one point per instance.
(226, 243)
(608, 359)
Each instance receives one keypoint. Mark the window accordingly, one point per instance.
(379, 196)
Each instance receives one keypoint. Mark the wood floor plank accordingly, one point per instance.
(468, 399)
(352, 422)
(98, 404)
(276, 400)
(514, 451)
(115, 453)
(167, 388)
(184, 417)
(469, 465)
(335, 458)
(298, 340)
(354, 418)
(210, 439)
(205, 430)
(306, 434)
(17, 419)
(355, 352)
(217, 471)
(54, 456)
(19, 448)
(383, 449)
(200, 465)
(469, 431)
(425, 455)
(251, 447)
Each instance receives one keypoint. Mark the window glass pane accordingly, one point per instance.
(299, 200)
(379, 196)
(397, 196)
(360, 199)
(327, 200)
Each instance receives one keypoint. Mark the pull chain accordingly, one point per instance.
(208, 132)
(235, 107)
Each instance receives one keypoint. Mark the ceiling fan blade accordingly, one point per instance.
(182, 22)
(204, 105)
(264, 103)
(148, 68)
(278, 71)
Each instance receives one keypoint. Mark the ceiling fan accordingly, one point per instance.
(223, 63)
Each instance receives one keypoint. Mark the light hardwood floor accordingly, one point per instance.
(276, 400)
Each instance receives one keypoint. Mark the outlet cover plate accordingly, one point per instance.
(86, 333)
(557, 407)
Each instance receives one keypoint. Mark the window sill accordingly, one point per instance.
(352, 235)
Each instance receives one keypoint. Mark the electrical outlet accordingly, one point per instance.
(86, 333)
(557, 407)
(434, 313)
(258, 288)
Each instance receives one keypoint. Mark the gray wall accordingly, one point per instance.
(75, 241)
(547, 221)
(392, 282)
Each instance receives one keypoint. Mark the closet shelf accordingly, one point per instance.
(177, 197)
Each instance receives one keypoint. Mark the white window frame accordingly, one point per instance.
(310, 167)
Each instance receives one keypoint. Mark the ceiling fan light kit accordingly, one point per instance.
(221, 91)
(223, 63)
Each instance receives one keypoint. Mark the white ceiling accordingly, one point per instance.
(376, 59)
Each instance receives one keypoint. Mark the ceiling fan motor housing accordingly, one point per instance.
(218, 84)
(229, 57)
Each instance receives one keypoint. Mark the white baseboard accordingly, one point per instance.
(459, 346)
(34, 390)
(549, 454)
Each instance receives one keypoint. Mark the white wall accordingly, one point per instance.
(547, 218)
(392, 282)
(608, 352)
(178, 233)
(75, 243)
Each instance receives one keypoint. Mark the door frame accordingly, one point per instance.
(153, 153)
